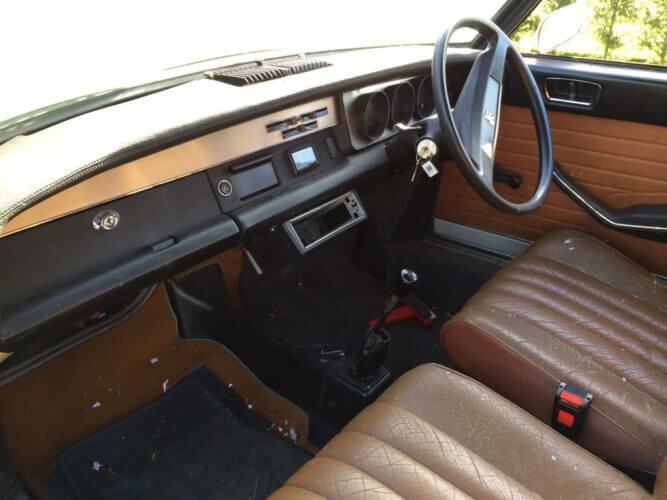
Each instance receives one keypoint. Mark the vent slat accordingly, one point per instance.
(262, 71)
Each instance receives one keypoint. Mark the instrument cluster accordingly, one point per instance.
(372, 112)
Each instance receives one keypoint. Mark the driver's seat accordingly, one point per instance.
(572, 309)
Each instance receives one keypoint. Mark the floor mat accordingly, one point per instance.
(199, 440)
(87, 389)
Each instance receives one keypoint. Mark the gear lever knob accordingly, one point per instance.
(407, 281)
(408, 276)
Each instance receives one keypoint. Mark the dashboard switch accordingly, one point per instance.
(106, 220)
(163, 245)
(225, 188)
(332, 147)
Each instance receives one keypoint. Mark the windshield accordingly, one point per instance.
(60, 50)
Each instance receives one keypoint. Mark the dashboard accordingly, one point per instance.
(129, 226)
(125, 228)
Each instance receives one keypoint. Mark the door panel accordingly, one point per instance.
(620, 163)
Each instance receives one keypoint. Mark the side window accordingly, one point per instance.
(614, 30)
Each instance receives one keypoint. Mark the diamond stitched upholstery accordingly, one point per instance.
(439, 434)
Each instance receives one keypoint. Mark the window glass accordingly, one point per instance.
(54, 51)
(614, 30)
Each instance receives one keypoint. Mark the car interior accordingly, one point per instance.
(400, 271)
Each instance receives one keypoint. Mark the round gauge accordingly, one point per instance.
(402, 99)
(425, 103)
(372, 114)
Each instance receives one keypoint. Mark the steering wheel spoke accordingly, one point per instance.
(477, 110)
(471, 128)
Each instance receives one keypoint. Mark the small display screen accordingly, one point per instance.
(303, 159)
(255, 180)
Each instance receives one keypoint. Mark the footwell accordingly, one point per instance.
(199, 440)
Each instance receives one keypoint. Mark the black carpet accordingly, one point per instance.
(412, 345)
(321, 304)
(326, 302)
(197, 441)
(449, 274)
(305, 321)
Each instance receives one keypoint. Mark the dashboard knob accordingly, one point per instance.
(408, 276)
(225, 188)
(106, 220)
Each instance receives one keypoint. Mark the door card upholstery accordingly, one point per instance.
(620, 163)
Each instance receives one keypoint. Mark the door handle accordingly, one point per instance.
(509, 177)
(573, 92)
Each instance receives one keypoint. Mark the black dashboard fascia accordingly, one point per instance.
(68, 269)
(257, 184)
(320, 186)
(65, 270)
(279, 156)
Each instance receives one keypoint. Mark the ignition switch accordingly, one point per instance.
(426, 149)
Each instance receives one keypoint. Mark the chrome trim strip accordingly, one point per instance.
(564, 184)
(479, 238)
(567, 101)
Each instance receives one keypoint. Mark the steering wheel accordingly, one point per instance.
(471, 129)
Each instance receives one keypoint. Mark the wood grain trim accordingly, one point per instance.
(168, 164)
(620, 163)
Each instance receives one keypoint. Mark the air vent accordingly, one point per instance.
(298, 64)
(247, 74)
(262, 71)
(297, 125)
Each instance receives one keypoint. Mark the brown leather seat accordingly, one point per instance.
(436, 433)
(573, 309)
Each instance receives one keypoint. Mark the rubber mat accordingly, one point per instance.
(199, 440)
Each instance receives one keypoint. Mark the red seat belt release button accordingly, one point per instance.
(569, 409)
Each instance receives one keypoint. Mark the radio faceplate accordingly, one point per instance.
(312, 228)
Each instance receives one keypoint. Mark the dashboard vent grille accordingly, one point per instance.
(298, 64)
(247, 74)
(262, 71)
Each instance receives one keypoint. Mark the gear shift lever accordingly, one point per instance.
(402, 288)
(374, 349)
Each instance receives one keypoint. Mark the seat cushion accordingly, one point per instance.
(436, 433)
(573, 309)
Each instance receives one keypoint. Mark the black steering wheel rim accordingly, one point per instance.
(478, 111)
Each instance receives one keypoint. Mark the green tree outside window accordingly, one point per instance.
(654, 37)
(615, 30)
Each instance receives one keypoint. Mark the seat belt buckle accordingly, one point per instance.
(569, 409)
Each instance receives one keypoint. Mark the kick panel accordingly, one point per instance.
(618, 162)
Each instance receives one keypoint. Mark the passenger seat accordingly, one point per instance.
(438, 433)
